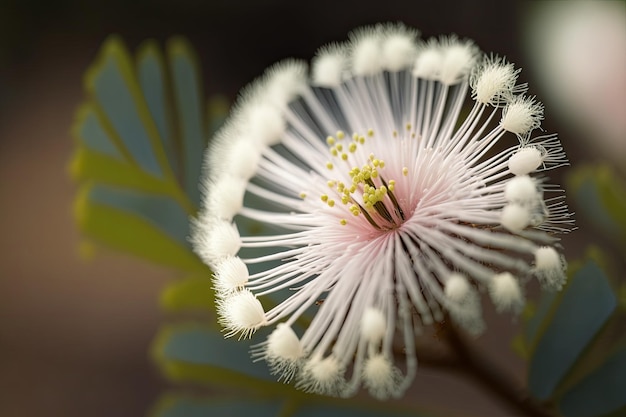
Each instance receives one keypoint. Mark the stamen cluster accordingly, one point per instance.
(385, 209)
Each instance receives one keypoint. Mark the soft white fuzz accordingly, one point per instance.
(230, 275)
(240, 313)
(493, 82)
(522, 115)
(398, 48)
(506, 293)
(550, 268)
(373, 325)
(380, 377)
(328, 66)
(522, 190)
(525, 160)
(385, 206)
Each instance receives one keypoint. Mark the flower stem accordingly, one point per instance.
(503, 386)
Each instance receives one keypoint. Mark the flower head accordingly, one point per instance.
(388, 211)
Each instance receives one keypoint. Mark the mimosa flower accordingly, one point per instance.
(388, 210)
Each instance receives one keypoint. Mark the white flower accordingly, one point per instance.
(387, 212)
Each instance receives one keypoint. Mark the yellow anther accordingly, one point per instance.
(408, 126)
(361, 140)
(352, 188)
(381, 163)
(345, 199)
(302, 195)
(324, 197)
(370, 132)
(374, 173)
(333, 151)
(331, 203)
(355, 136)
(343, 222)
(376, 162)
(339, 147)
(330, 141)
(371, 157)
(395, 133)
(329, 165)
(331, 183)
(405, 171)
(344, 156)
(341, 186)
(352, 147)
(340, 134)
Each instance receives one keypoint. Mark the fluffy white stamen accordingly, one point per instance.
(493, 82)
(550, 268)
(522, 115)
(398, 49)
(266, 124)
(521, 189)
(506, 293)
(242, 158)
(458, 60)
(226, 197)
(515, 217)
(215, 239)
(381, 378)
(328, 67)
(429, 61)
(457, 288)
(366, 47)
(322, 376)
(231, 274)
(373, 325)
(525, 160)
(240, 313)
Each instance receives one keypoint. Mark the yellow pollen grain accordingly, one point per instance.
(340, 134)
(405, 171)
(395, 134)
(331, 183)
(343, 222)
(408, 126)
(361, 140)
(331, 203)
(302, 195)
(324, 197)
(330, 141)
(344, 156)
(333, 152)
(352, 147)
(339, 147)
(370, 132)
(329, 165)
(355, 136)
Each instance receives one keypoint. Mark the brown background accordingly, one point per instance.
(74, 334)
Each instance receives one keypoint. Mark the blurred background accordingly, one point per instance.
(74, 333)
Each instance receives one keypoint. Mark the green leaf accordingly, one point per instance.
(601, 196)
(600, 393)
(231, 407)
(195, 352)
(147, 226)
(580, 312)
(140, 140)
(191, 293)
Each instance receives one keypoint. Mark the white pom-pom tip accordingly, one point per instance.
(526, 160)
(241, 312)
(373, 325)
(550, 268)
(457, 288)
(283, 344)
(231, 274)
(515, 217)
(521, 189)
(505, 292)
